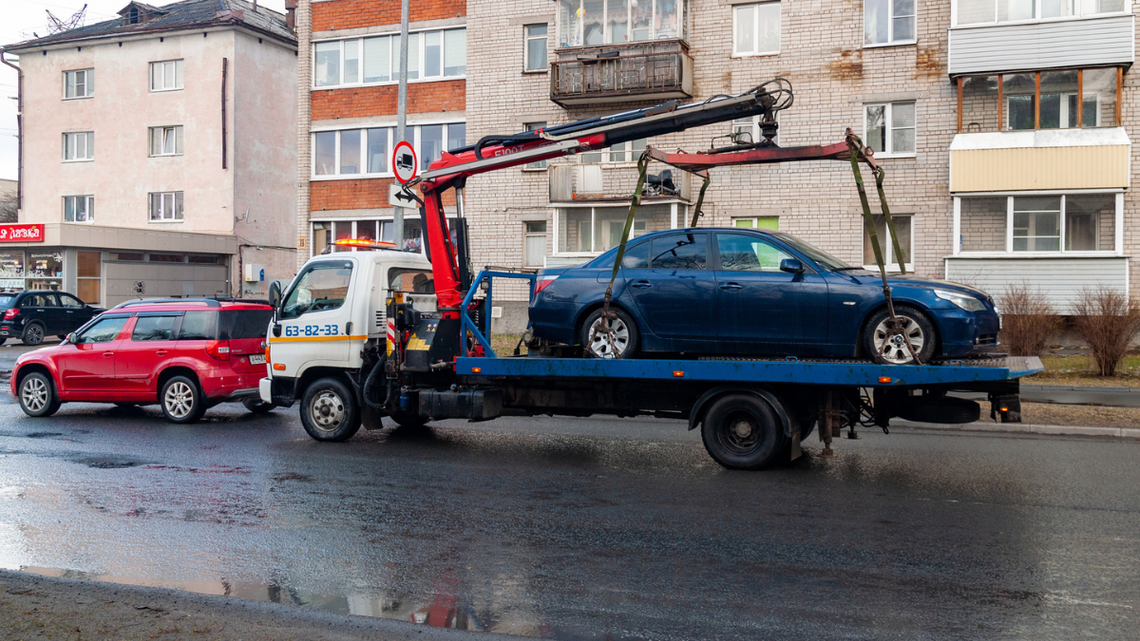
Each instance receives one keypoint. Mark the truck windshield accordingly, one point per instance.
(322, 286)
(824, 259)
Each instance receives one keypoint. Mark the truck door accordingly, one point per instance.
(315, 319)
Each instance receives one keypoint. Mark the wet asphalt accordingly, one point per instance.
(587, 528)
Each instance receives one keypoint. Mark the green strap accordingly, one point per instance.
(642, 167)
(879, 175)
(697, 213)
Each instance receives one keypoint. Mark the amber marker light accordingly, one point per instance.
(884, 379)
(476, 370)
(678, 374)
(279, 366)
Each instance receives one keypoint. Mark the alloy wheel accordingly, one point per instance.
(892, 347)
(613, 345)
(179, 400)
(34, 335)
(35, 394)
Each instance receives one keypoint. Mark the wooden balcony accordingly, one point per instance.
(643, 71)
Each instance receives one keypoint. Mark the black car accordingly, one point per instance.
(31, 315)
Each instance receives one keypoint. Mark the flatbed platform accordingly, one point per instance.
(790, 371)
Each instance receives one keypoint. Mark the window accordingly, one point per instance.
(166, 75)
(376, 59)
(534, 242)
(88, 272)
(983, 11)
(902, 225)
(747, 253)
(535, 126)
(534, 57)
(888, 22)
(1040, 100)
(156, 257)
(322, 286)
(166, 206)
(357, 152)
(1039, 223)
(78, 209)
(622, 152)
(411, 281)
(154, 328)
(756, 28)
(593, 230)
(598, 22)
(103, 331)
(69, 301)
(79, 83)
(678, 251)
(79, 145)
(890, 128)
(166, 141)
(198, 326)
(759, 222)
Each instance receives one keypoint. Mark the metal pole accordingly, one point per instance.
(402, 112)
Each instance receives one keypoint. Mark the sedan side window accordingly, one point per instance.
(747, 253)
(678, 251)
(320, 287)
(154, 328)
(103, 331)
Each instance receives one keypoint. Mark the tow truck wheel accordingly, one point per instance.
(622, 341)
(892, 349)
(741, 432)
(329, 411)
(257, 406)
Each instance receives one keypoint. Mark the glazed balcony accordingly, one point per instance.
(644, 71)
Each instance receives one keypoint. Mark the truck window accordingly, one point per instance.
(410, 281)
(320, 287)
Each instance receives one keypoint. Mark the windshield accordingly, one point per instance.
(321, 286)
(824, 259)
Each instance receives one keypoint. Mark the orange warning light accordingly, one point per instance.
(884, 379)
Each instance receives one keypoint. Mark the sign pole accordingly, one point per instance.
(401, 114)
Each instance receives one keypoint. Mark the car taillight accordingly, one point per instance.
(542, 283)
(219, 350)
(11, 312)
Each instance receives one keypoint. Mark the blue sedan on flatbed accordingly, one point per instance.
(754, 292)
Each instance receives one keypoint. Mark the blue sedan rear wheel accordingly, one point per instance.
(890, 347)
(619, 342)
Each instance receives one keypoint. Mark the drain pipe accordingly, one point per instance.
(19, 133)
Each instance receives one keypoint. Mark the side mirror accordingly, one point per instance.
(70, 338)
(276, 287)
(277, 330)
(792, 266)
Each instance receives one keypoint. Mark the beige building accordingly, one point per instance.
(157, 153)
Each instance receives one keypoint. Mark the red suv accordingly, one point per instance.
(187, 355)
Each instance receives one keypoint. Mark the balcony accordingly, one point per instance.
(660, 70)
(1100, 40)
(613, 183)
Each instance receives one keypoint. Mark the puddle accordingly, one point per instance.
(106, 462)
(43, 434)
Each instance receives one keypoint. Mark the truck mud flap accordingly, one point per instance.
(475, 405)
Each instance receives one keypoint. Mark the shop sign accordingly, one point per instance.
(21, 233)
(11, 283)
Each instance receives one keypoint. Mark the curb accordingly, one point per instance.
(1027, 428)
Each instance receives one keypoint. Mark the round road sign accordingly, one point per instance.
(404, 161)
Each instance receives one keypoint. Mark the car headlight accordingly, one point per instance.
(968, 303)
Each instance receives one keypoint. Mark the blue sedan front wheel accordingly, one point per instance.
(890, 347)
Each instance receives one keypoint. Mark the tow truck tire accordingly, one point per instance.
(329, 411)
(742, 432)
(919, 330)
(625, 332)
(37, 395)
(257, 406)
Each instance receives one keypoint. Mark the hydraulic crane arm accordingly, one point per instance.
(500, 152)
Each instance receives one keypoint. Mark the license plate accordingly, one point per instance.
(257, 359)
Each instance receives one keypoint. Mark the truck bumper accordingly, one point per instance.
(277, 390)
(264, 387)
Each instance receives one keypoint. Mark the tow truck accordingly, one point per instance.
(363, 335)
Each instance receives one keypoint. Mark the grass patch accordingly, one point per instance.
(504, 344)
(1082, 370)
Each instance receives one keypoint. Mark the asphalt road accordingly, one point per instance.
(587, 528)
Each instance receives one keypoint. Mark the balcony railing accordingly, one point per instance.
(619, 73)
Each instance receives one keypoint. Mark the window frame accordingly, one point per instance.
(678, 211)
(177, 215)
(88, 205)
(1004, 110)
(538, 165)
(175, 130)
(891, 41)
(393, 58)
(179, 80)
(88, 145)
(417, 140)
(1009, 252)
(755, 6)
(528, 234)
(890, 261)
(1077, 14)
(629, 153)
(527, 38)
(889, 128)
(88, 83)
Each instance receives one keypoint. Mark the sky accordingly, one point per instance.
(22, 18)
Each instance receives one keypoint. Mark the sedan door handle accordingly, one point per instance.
(160, 352)
(641, 284)
(731, 286)
(108, 354)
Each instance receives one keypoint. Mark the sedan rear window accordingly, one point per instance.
(678, 251)
(246, 323)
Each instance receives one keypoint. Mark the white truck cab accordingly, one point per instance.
(331, 317)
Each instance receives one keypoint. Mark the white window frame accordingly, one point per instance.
(890, 261)
(626, 153)
(178, 66)
(888, 139)
(527, 38)
(167, 132)
(1118, 225)
(88, 146)
(172, 213)
(891, 41)
(528, 234)
(539, 165)
(579, 40)
(88, 83)
(1077, 14)
(675, 212)
(417, 134)
(393, 59)
(754, 222)
(88, 208)
(755, 7)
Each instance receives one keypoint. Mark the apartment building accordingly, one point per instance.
(1004, 127)
(157, 155)
(348, 97)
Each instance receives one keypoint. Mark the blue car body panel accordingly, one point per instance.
(818, 312)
